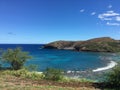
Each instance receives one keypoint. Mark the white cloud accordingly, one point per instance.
(82, 10)
(104, 18)
(93, 13)
(118, 18)
(110, 6)
(113, 24)
(109, 15)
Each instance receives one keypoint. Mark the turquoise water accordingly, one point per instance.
(63, 59)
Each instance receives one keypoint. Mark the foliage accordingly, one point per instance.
(113, 77)
(68, 79)
(16, 57)
(23, 73)
(53, 74)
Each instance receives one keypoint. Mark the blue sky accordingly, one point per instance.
(43, 21)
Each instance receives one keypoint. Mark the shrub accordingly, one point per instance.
(113, 77)
(53, 74)
(68, 79)
(23, 73)
(16, 57)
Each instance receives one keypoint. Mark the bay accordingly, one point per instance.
(62, 59)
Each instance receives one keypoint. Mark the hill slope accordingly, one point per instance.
(104, 44)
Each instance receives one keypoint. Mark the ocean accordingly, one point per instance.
(62, 59)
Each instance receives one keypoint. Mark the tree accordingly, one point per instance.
(16, 57)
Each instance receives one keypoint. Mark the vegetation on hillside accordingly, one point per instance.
(10, 82)
(53, 74)
(99, 46)
(113, 77)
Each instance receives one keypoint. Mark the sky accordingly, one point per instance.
(44, 21)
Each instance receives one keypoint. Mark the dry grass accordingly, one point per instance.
(9, 82)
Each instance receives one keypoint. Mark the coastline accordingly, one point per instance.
(90, 75)
(109, 66)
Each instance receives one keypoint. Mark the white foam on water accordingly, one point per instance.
(109, 66)
(38, 72)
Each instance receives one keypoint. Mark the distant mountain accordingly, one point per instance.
(103, 44)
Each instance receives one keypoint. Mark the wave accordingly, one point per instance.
(109, 66)
(37, 72)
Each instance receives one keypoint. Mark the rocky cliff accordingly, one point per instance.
(104, 44)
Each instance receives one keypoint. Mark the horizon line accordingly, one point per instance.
(22, 43)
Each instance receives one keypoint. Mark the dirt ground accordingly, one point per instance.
(14, 83)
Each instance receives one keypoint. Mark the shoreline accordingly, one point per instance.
(109, 66)
(85, 74)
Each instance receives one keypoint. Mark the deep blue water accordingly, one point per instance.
(62, 59)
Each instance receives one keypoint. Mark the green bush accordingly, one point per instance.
(16, 57)
(53, 74)
(68, 79)
(113, 77)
